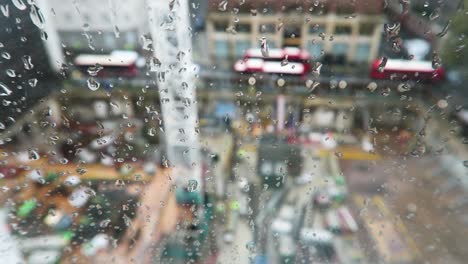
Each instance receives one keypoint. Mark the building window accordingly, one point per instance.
(267, 28)
(316, 29)
(243, 28)
(340, 49)
(342, 30)
(315, 49)
(345, 9)
(220, 26)
(221, 48)
(109, 40)
(241, 47)
(318, 10)
(362, 52)
(131, 40)
(366, 29)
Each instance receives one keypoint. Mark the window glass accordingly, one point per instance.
(243, 28)
(233, 131)
(315, 49)
(220, 26)
(366, 29)
(221, 48)
(242, 47)
(342, 30)
(362, 52)
(340, 48)
(267, 28)
(316, 29)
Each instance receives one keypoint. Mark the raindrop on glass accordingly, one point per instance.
(223, 5)
(442, 104)
(6, 55)
(94, 70)
(19, 4)
(11, 73)
(93, 85)
(27, 62)
(33, 155)
(264, 47)
(36, 17)
(4, 90)
(192, 185)
(32, 82)
(5, 10)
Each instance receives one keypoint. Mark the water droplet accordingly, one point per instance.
(372, 86)
(146, 42)
(104, 223)
(4, 90)
(279, 26)
(252, 80)
(32, 82)
(33, 155)
(127, 220)
(223, 5)
(434, 15)
(285, 61)
(231, 30)
(44, 35)
(404, 87)
(19, 4)
(154, 64)
(264, 47)
(114, 105)
(116, 32)
(444, 30)
(442, 104)
(342, 84)
(27, 62)
(11, 73)
(6, 55)
(436, 61)
(382, 64)
(392, 30)
(281, 82)
(152, 131)
(94, 70)
(250, 246)
(36, 17)
(316, 68)
(192, 185)
(119, 183)
(5, 10)
(93, 85)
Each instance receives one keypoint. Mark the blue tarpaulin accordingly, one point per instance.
(225, 109)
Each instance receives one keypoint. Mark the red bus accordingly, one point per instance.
(287, 61)
(396, 69)
(115, 64)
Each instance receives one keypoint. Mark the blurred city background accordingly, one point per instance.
(233, 131)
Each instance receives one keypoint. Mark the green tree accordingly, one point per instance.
(455, 52)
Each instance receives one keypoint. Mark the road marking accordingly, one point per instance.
(399, 225)
(350, 153)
